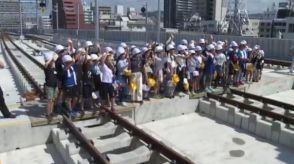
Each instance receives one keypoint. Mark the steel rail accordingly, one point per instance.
(263, 99)
(153, 143)
(262, 112)
(84, 142)
(277, 62)
(40, 65)
(22, 69)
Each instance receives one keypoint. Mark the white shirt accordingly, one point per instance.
(121, 65)
(220, 59)
(107, 74)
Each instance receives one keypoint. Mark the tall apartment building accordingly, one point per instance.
(68, 15)
(176, 12)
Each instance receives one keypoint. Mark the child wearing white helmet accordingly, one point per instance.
(122, 65)
(209, 68)
(220, 60)
(136, 66)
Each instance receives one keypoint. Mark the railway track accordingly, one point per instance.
(31, 69)
(250, 103)
(112, 139)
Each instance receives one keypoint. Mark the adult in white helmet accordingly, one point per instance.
(209, 68)
(88, 43)
(160, 59)
(108, 50)
(172, 65)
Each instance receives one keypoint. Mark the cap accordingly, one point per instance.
(210, 47)
(88, 43)
(219, 47)
(120, 50)
(58, 48)
(123, 44)
(170, 47)
(243, 42)
(201, 41)
(256, 47)
(66, 58)
(94, 57)
(181, 47)
(158, 49)
(184, 42)
(133, 46)
(198, 48)
(136, 51)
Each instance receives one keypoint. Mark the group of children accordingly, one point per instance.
(94, 76)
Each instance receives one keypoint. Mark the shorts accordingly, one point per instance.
(51, 93)
(219, 69)
(71, 92)
(87, 91)
(107, 90)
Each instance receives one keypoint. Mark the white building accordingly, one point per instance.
(252, 28)
(119, 10)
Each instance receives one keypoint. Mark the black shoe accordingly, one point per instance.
(10, 116)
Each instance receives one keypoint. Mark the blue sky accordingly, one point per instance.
(253, 6)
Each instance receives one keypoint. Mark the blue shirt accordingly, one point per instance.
(209, 65)
(69, 76)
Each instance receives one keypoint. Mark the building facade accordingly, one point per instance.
(69, 16)
(179, 12)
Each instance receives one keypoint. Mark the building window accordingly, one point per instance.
(291, 28)
(267, 30)
(268, 24)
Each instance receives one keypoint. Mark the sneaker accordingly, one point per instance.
(207, 90)
(211, 89)
(124, 104)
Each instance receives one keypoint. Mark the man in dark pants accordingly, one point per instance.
(4, 110)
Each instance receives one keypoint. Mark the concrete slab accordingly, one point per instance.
(33, 155)
(201, 138)
(285, 96)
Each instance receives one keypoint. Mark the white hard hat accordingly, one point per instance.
(144, 49)
(256, 47)
(170, 47)
(181, 47)
(234, 44)
(214, 43)
(192, 51)
(202, 40)
(243, 42)
(158, 49)
(94, 57)
(220, 42)
(108, 49)
(81, 50)
(133, 46)
(48, 56)
(219, 47)
(249, 49)
(136, 51)
(124, 45)
(58, 48)
(66, 58)
(184, 42)
(191, 46)
(198, 48)
(120, 50)
(210, 47)
(88, 43)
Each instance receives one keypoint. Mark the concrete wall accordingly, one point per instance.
(273, 47)
(273, 131)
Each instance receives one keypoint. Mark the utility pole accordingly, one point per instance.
(20, 19)
(57, 17)
(37, 18)
(146, 22)
(78, 21)
(158, 26)
(97, 19)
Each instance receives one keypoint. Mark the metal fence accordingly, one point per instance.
(273, 47)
